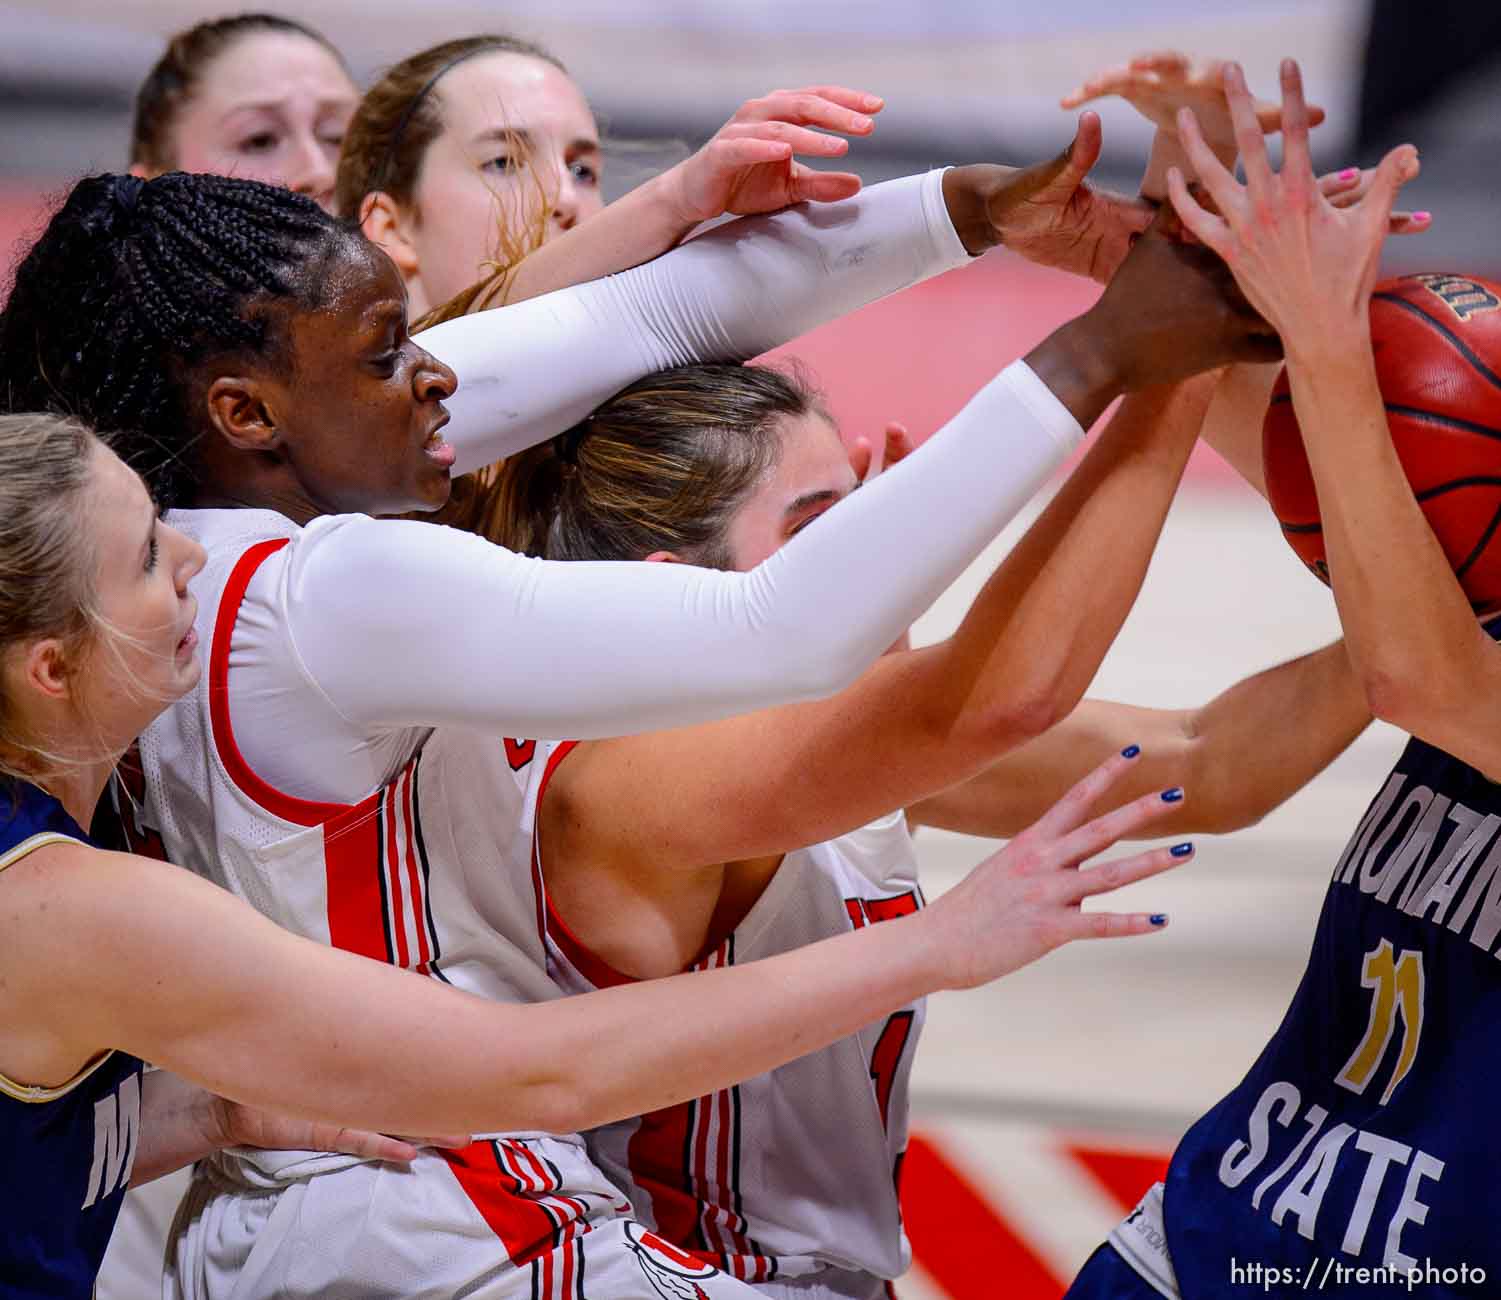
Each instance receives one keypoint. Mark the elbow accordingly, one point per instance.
(1022, 714)
(1400, 696)
(561, 1107)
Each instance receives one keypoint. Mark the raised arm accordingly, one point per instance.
(270, 1019)
(1159, 85)
(529, 371)
(917, 722)
(749, 166)
(1425, 663)
(586, 650)
(1238, 767)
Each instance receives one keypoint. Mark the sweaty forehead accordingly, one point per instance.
(354, 279)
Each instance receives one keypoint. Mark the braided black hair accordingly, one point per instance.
(135, 283)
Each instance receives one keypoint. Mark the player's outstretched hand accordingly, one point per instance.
(1346, 188)
(1160, 84)
(1306, 265)
(1174, 310)
(750, 164)
(236, 1125)
(1024, 901)
(1048, 212)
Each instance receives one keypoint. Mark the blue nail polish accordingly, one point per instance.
(1174, 795)
(1182, 850)
(1131, 751)
(1158, 918)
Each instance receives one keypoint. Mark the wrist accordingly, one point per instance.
(971, 194)
(665, 204)
(1079, 363)
(928, 950)
(1319, 347)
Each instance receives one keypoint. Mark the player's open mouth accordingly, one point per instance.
(438, 451)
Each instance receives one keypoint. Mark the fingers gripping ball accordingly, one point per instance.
(1437, 342)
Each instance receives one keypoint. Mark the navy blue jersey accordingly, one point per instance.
(1366, 1134)
(65, 1152)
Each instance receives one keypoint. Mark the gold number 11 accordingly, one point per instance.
(1396, 981)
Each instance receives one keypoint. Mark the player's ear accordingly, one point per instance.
(387, 224)
(664, 557)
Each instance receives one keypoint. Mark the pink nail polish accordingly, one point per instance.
(1349, 174)
(1422, 216)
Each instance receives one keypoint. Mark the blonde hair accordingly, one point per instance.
(46, 560)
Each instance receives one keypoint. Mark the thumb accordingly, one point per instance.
(1396, 169)
(1065, 172)
(1080, 157)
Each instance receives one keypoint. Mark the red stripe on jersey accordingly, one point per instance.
(302, 812)
(351, 863)
(1126, 1175)
(526, 1227)
(657, 1155)
(886, 1058)
(959, 1240)
(414, 873)
(393, 877)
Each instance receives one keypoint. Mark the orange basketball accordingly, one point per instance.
(1437, 341)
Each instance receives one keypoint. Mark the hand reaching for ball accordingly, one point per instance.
(1307, 266)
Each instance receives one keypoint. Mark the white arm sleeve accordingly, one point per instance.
(402, 624)
(530, 371)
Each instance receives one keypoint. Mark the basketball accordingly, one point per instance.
(1437, 342)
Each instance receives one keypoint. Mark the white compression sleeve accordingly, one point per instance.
(402, 624)
(530, 371)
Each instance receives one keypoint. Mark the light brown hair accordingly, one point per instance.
(175, 76)
(662, 466)
(387, 141)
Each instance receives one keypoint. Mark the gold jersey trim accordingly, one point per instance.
(32, 1092)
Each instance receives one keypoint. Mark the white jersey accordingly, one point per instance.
(795, 1171)
(431, 870)
(341, 765)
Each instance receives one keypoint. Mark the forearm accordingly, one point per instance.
(1035, 636)
(437, 1060)
(1011, 793)
(521, 650)
(1238, 767)
(634, 229)
(179, 1125)
(1412, 635)
(1233, 426)
(530, 371)
(1242, 761)
(1168, 151)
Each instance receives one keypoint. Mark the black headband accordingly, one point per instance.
(418, 99)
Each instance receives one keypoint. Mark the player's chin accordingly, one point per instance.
(429, 490)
